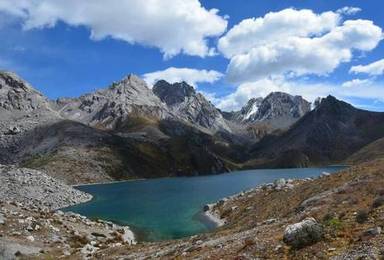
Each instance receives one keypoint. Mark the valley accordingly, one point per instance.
(130, 131)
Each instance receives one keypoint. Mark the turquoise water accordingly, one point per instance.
(167, 208)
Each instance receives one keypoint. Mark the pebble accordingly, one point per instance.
(31, 238)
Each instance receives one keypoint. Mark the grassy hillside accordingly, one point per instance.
(372, 151)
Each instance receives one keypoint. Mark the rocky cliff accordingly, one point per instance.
(186, 104)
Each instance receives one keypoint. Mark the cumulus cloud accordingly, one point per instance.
(294, 42)
(173, 26)
(275, 27)
(191, 76)
(374, 69)
(365, 89)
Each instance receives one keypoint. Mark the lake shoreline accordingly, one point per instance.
(203, 175)
(207, 215)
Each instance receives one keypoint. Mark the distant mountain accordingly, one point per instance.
(249, 110)
(277, 108)
(108, 108)
(123, 131)
(328, 134)
(271, 115)
(186, 104)
(131, 131)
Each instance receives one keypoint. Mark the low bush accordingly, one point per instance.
(334, 223)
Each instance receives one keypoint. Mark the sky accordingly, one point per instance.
(230, 51)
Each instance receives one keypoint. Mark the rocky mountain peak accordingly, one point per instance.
(279, 104)
(185, 103)
(17, 94)
(333, 106)
(106, 107)
(173, 93)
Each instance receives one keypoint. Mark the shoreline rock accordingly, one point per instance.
(212, 215)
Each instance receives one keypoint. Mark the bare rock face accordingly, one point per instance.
(249, 110)
(281, 105)
(188, 105)
(107, 107)
(16, 94)
(304, 233)
(22, 109)
(278, 108)
(277, 112)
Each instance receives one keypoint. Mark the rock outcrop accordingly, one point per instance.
(304, 233)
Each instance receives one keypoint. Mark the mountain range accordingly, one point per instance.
(129, 130)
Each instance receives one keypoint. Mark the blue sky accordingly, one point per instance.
(67, 49)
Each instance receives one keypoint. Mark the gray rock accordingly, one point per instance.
(2, 219)
(280, 182)
(373, 231)
(325, 174)
(304, 233)
(13, 130)
(207, 207)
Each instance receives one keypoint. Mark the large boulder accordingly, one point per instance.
(304, 233)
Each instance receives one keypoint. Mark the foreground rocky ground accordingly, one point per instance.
(31, 228)
(340, 216)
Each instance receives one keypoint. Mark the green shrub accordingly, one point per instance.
(334, 223)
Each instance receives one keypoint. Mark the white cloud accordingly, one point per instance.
(357, 83)
(275, 27)
(173, 26)
(246, 91)
(369, 90)
(295, 42)
(349, 10)
(374, 69)
(191, 76)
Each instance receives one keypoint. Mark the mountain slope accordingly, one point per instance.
(372, 151)
(328, 134)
